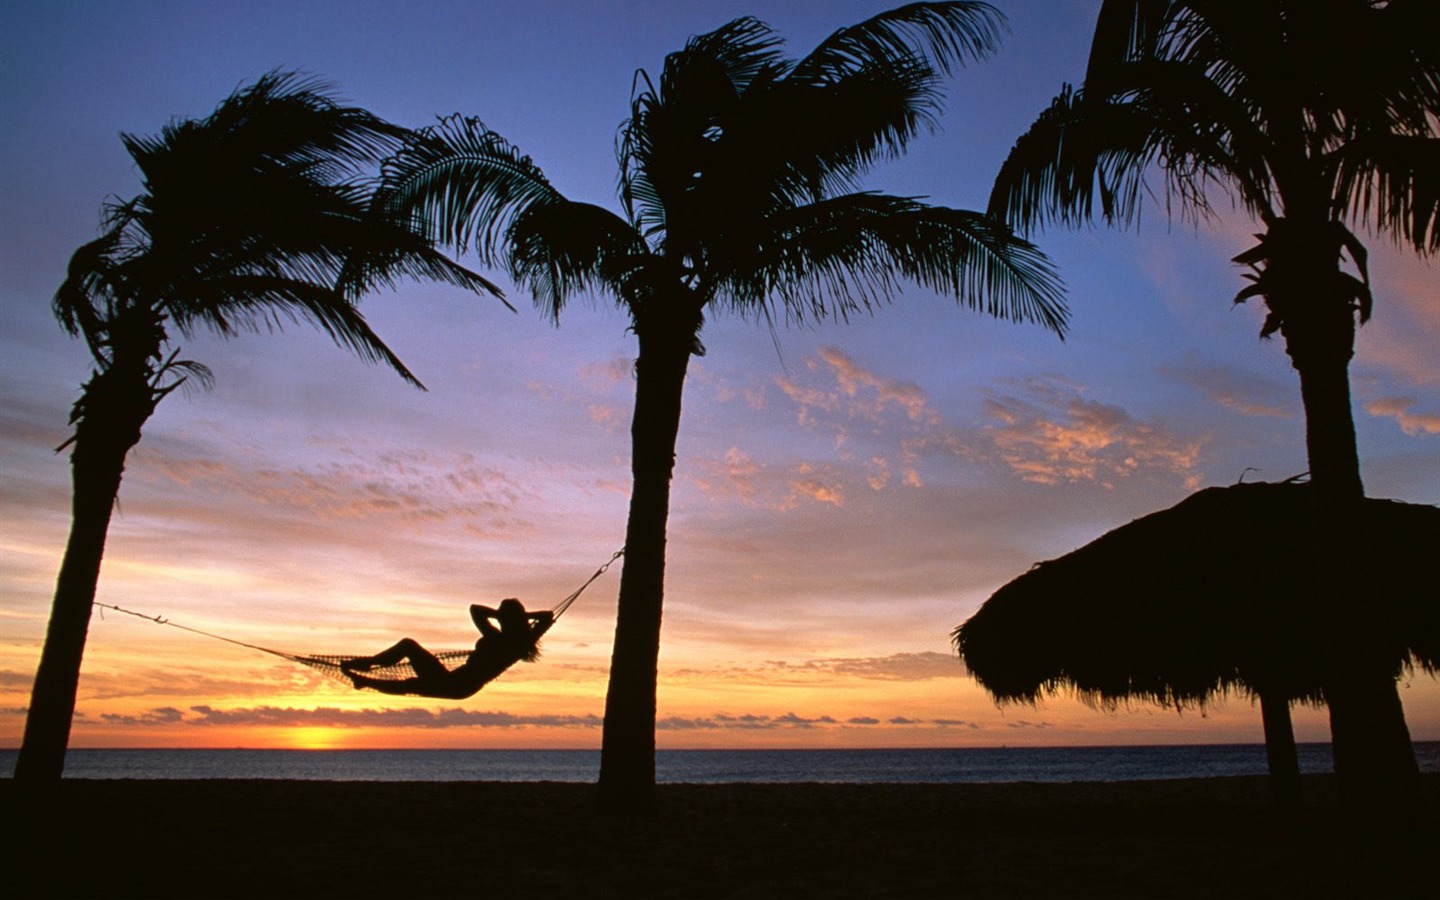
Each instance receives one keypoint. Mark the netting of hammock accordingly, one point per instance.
(329, 665)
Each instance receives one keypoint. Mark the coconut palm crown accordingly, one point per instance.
(739, 190)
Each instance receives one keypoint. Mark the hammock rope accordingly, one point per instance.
(330, 664)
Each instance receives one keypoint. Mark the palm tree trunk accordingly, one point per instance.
(96, 473)
(1280, 754)
(1374, 760)
(113, 407)
(627, 755)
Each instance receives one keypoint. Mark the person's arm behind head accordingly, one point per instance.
(481, 616)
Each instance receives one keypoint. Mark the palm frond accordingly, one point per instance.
(673, 126)
(848, 254)
(1075, 153)
(945, 34)
(829, 134)
(89, 282)
(461, 184)
(284, 121)
(1090, 156)
(1392, 182)
(865, 91)
(247, 303)
(559, 250)
(382, 250)
(1125, 31)
(739, 51)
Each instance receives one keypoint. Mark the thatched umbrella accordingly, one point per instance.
(1210, 596)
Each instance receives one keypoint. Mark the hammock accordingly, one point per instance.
(330, 664)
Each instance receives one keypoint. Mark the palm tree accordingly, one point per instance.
(1318, 117)
(253, 216)
(739, 175)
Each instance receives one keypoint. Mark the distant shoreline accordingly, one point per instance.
(878, 749)
(693, 766)
(1194, 837)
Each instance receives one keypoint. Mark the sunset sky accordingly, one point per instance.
(845, 495)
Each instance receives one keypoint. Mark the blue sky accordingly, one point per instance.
(845, 494)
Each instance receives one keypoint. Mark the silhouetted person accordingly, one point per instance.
(497, 650)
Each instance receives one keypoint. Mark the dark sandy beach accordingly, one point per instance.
(1194, 838)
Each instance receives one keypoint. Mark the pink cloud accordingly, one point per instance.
(854, 392)
(1399, 409)
(607, 415)
(1241, 392)
(819, 492)
(879, 473)
(872, 393)
(1056, 435)
(619, 370)
(405, 485)
(737, 476)
(924, 666)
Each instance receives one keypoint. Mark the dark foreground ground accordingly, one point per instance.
(1196, 838)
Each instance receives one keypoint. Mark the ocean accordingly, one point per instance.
(973, 765)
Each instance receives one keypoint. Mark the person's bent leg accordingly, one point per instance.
(422, 661)
(405, 649)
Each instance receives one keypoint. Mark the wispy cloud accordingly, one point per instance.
(1239, 391)
(164, 715)
(410, 717)
(14, 681)
(206, 716)
(833, 395)
(896, 667)
(795, 721)
(407, 485)
(813, 488)
(844, 388)
(614, 371)
(1048, 432)
(738, 476)
(1401, 409)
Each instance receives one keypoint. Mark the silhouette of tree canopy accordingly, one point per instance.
(1317, 117)
(1204, 598)
(255, 216)
(739, 188)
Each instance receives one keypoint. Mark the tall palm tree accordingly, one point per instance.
(1319, 117)
(253, 216)
(739, 176)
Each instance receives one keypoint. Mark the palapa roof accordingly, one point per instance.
(1211, 595)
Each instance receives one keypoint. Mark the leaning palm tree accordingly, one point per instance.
(1317, 117)
(251, 217)
(739, 187)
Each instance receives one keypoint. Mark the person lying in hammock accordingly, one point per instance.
(516, 638)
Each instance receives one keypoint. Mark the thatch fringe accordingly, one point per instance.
(1209, 597)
